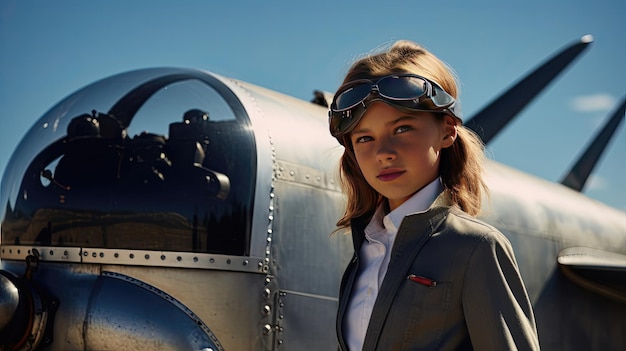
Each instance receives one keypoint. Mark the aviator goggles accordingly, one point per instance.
(404, 91)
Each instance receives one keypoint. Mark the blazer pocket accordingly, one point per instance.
(428, 303)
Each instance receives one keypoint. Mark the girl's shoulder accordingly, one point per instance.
(461, 226)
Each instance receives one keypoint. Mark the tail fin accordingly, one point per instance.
(578, 175)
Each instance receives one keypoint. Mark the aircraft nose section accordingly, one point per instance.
(120, 304)
(9, 300)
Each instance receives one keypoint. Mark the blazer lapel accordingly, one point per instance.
(358, 227)
(407, 245)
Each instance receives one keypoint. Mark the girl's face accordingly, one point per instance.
(399, 152)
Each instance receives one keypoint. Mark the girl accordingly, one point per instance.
(426, 273)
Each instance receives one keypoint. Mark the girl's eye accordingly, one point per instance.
(402, 129)
(362, 139)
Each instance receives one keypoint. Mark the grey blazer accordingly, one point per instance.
(452, 284)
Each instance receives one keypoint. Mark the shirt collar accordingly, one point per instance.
(419, 202)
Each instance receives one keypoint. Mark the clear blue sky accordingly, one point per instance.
(48, 49)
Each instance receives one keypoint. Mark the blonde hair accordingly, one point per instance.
(461, 164)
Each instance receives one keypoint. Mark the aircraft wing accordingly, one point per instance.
(599, 271)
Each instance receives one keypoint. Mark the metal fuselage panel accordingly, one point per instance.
(305, 203)
(93, 313)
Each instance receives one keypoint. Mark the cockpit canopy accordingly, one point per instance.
(155, 159)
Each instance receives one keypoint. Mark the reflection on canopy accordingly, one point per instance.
(169, 166)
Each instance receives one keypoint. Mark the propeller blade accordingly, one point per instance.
(578, 175)
(494, 117)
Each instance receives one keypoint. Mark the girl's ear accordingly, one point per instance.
(450, 132)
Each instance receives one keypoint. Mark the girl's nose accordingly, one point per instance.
(385, 152)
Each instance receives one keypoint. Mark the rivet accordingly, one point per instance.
(266, 292)
(245, 262)
(267, 329)
(267, 309)
(146, 256)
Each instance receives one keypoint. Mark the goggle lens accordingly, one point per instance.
(352, 96)
(391, 87)
(405, 91)
(401, 88)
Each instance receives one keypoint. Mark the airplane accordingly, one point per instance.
(178, 209)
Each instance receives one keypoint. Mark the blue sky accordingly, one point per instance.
(49, 49)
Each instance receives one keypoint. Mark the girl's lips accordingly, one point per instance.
(388, 176)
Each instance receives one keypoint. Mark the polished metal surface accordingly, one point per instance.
(158, 320)
(137, 258)
(9, 300)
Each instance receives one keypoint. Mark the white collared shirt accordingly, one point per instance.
(375, 254)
